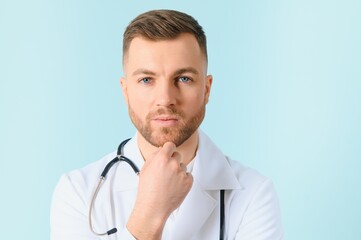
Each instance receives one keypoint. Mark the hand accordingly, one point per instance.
(163, 185)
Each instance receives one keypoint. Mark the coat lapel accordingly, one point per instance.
(211, 173)
(198, 215)
(193, 213)
(211, 167)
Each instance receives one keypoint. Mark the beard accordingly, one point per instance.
(177, 134)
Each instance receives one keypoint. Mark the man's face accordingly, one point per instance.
(166, 88)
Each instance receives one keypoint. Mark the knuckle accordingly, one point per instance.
(169, 146)
(174, 166)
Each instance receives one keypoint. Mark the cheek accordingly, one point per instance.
(138, 104)
(201, 96)
(195, 102)
(139, 93)
(136, 95)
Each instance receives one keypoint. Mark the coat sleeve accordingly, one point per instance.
(68, 216)
(262, 219)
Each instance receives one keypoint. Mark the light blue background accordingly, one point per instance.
(286, 100)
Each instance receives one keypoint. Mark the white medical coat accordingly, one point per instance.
(251, 206)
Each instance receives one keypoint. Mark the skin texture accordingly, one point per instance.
(166, 89)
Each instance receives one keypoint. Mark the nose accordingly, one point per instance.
(166, 94)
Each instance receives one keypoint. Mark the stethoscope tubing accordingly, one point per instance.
(120, 157)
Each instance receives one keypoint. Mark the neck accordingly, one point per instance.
(187, 150)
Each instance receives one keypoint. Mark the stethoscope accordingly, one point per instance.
(120, 157)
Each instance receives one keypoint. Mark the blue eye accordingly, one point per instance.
(184, 79)
(145, 80)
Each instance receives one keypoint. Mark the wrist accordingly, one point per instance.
(146, 226)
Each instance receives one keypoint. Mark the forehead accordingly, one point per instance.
(183, 50)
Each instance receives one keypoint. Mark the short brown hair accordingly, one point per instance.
(162, 25)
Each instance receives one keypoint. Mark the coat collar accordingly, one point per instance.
(211, 172)
(211, 168)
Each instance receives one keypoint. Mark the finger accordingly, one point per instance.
(153, 155)
(168, 149)
(176, 156)
(189, 179)
(183, 167)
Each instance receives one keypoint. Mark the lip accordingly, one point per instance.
(166, 120)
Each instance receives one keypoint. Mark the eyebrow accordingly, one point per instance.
(186, 70)
(178, 72)
(143, 71)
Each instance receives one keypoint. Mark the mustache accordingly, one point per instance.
(165, 111)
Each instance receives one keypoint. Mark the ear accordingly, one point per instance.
(209, 80)
(123, 84)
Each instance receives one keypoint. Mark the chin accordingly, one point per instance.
(177, 138)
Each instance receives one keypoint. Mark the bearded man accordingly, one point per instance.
(186, 188)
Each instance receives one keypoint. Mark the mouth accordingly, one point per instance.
(165, 120)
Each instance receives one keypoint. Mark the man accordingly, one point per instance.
(179, 191)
